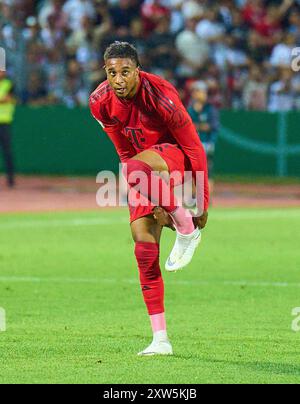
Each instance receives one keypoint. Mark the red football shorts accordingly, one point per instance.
(176, 161)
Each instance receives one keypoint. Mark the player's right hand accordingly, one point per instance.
(163, 218)
(201, 221)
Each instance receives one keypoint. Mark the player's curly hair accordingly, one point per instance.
(122, 50)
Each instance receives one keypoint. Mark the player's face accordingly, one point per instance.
(123, 76)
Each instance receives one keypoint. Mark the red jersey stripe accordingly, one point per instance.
(168, 107)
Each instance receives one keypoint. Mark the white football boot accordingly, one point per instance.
(183, 250)
(159, 346)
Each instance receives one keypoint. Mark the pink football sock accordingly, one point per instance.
(183, 220)
(158, 322)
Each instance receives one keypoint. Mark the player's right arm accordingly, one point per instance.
(111, 127)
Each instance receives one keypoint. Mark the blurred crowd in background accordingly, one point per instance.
(241, 49)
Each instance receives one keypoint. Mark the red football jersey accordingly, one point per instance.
(154, 116)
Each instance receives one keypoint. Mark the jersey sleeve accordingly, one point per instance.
(183, 130)
(111, 127)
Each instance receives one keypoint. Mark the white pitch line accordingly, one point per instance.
(214, 215)
(61, 223)
(259, 214)
(23, 279)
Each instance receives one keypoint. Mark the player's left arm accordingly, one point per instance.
(181, 127)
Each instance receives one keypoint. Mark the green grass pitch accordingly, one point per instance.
(69, 286)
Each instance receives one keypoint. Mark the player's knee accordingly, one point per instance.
(143, 237)
(135, 167)
(131, 166)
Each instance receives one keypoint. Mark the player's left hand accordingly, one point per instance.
(163, 218)
(201, 221)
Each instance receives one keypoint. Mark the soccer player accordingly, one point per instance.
(152, 132)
